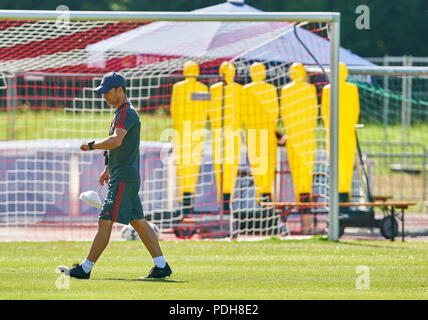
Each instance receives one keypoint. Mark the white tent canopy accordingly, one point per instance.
(273, 41)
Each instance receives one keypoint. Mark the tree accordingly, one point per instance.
(396, 27)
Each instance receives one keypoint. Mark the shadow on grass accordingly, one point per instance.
(381, 245)
(142, 280)
(323, 239)
(385, 244)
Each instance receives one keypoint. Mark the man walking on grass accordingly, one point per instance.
(122, 174)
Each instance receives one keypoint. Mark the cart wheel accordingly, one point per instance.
(183, 232)
(341, 230)
(388, 228)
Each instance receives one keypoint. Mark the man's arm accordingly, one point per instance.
(111, 142)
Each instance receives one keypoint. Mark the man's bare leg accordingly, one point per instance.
(147, 236)
(101, 239)
(100, 242)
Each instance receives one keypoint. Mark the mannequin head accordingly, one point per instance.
(343, 71)
(228, 71)
(297, 72)
(258, 72)
(190, 70)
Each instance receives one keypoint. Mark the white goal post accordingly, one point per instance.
(332, 19)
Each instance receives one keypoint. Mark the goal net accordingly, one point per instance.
(231, 120)
(394, 112)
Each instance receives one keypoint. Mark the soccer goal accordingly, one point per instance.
(231, 119)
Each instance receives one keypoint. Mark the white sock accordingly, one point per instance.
(87, 265)
(160, 261)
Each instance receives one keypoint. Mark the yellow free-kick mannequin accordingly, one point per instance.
(229, 96)
(349, 111)
(299, 111)
(260, 119)
(189, 115)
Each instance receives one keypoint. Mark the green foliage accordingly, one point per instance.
(396, 27)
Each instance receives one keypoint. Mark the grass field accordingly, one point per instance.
(216, 270)
(31, 125)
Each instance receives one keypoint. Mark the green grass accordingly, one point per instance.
(394, 133)
(31, 125)
(213, 270)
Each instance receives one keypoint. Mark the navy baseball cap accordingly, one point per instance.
(111, 80)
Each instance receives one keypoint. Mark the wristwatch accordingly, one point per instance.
(90, 144)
